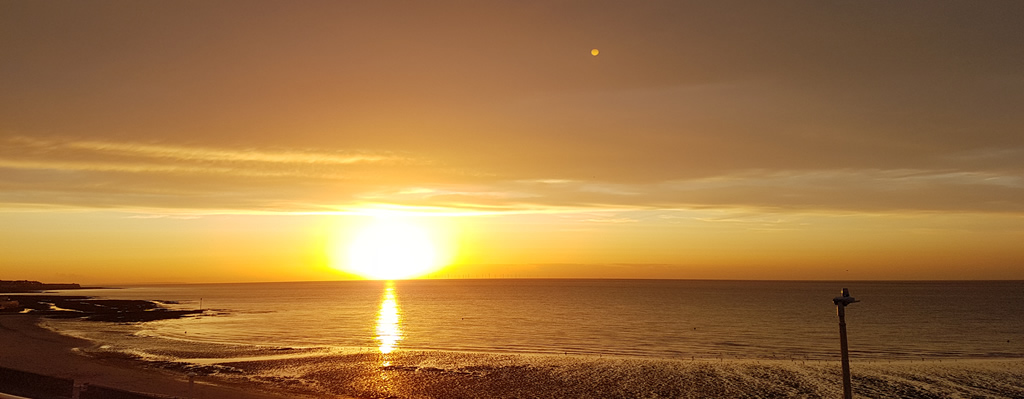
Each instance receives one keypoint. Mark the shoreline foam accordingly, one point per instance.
(441, 374)
(31, 348)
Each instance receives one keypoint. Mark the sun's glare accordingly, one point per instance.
(393, 249)
(388, 330)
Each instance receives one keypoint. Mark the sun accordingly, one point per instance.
(392, 249)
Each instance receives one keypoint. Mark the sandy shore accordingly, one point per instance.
(454, 375)
(31, 348)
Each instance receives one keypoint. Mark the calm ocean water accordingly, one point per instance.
(672, 319)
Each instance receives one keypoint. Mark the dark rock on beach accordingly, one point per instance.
(123, 311)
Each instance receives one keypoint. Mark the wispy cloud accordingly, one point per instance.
(109, 174)
(142, 154)
(613, 220)
(242, 155)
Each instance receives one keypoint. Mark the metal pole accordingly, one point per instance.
(841, 302)
(847, 388)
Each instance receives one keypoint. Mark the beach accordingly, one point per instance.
(437, 374)
(415, 374)
(28, 347)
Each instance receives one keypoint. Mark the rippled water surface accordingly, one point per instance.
(649, 318)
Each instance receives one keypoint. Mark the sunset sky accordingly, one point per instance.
(218, 141)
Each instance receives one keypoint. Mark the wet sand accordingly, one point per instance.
(440, 374)
(432, 374)
(31, 348)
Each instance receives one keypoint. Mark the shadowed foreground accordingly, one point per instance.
(436, 374)
(453, 375)
(30, 348)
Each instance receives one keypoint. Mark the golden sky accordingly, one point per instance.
(198, 141)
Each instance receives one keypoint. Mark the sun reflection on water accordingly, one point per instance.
(388, 320)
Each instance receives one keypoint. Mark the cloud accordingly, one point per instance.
(131, 175)
(846, 190)
(220, 155)
(612, 220)
(807, 107)
(106, 174)
(137, 156)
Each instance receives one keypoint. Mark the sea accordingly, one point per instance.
(568, 338)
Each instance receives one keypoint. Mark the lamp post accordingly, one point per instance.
(841, 302)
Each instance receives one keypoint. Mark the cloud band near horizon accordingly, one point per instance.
(129, 176)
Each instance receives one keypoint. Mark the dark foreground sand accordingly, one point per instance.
(439, 374)
(27, 347)
(427, 374)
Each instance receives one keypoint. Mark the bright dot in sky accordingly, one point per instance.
(594, 52)
(392, 249)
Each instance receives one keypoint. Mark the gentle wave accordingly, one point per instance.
(641, 318)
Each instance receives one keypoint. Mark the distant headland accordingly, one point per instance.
(15, 286)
